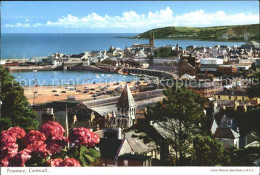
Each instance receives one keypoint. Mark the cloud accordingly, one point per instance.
(27, 20)
(160, 18)
(18, 25)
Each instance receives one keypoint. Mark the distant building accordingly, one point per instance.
(210, 64)
(231, 95)
(227, 69)
(251, 45)
(227, 136)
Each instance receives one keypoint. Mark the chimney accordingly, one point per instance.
(236, 103)
(245, 108)
(119, 133)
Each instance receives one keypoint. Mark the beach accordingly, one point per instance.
(45, 94)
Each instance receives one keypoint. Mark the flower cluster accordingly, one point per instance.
(68, 162)
(20, 158)
(9, 147)
(35, 142)
(46, 142)
(53, 130)
(83, 136)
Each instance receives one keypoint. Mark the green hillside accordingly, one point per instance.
(224, 33)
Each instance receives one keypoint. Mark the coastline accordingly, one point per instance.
(45, 94)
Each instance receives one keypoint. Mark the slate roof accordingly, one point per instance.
(134, 157)
(232, 93)
(109, 147)
(252, 43)
(226, 133)
(126, 100)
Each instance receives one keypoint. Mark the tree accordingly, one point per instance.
(207, 151)
(254, 91)
(178, 118)
(15, 110)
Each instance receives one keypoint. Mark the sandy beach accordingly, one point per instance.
(45, 94)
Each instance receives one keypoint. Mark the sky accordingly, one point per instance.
(121, 16)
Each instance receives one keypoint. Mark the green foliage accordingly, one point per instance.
(248, 121)
(254, 91)
(180, 115)
(235, 32)
(86, 156)
(207, 151)
(163, 52)
(5, 123)
(15, 107)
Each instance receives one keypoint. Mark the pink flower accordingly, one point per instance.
(7, 139)
(19, 132)
(35, 142)
(20, 158)
(8, 153)
(54, 146)
(38, 149)
(4, 162)
(54, 162)
(34, 137)
(53, 130)
(83, 136)
(69, 162)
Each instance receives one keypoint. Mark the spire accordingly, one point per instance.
(126, 99)
(113, 114)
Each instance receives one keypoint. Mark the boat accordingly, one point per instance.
(34, 70)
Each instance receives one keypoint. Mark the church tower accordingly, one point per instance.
(126, 107)
(151, 39)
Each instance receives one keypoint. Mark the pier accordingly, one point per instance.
(149, 72)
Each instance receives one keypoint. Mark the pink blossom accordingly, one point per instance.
(7, 139)
(54, 162)
(69, 162)
(35, 142)
(20, 158)
(4, 162)
(83, 136)
(53, 130)
(34, 137)
(19, 132)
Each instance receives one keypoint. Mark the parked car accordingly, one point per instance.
(63, 91)
(57, 95)
(94, 95)
(54, 90)
(78, 90)
(85, 91)
(91, 92)
(72, 98)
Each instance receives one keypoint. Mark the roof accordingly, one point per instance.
(232, 93)
(134, 157)
(226, 133)
(137, 144)
(252, 43)
(109, 147)
(126, 100)
(77, 56)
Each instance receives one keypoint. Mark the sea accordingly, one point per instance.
(24, 45)
(68, 78)
(19, 46)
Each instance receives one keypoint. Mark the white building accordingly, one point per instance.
(210, 64)
(227, 136)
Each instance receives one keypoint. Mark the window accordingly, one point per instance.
(219, 97)
(125, 162)
(229, 123)
(243, 98)
(229, 97)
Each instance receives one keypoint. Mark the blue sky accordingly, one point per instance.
(124, 17)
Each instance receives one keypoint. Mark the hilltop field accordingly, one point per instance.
(217, 33)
